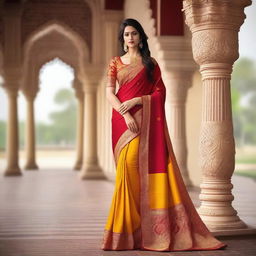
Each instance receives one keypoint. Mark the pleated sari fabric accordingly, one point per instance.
(151, 208)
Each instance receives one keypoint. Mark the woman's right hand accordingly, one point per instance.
(131, 123)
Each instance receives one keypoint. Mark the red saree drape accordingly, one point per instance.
(169, 220)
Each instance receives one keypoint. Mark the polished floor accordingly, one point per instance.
(52, 212)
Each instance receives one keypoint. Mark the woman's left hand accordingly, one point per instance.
(126, 105)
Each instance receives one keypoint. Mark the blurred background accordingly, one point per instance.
(57, 51)
(56, 109)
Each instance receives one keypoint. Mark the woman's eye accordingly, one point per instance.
(134, 33)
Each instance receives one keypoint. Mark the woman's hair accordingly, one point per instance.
(144, 51)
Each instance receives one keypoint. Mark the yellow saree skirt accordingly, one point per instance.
(123, 226)
(123, 223)
(124, 215)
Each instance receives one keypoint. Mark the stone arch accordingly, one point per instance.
(75, 14)
(53, 39)
(98, 20)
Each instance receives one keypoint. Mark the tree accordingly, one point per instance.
(2, 134)
(61, 130)
(244, 101)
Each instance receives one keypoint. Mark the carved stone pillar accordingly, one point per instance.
(112, 20)
(12, 146)
(80, 130)
(214, 26)
(90, 168)
(30, 134)
(177, 65)
(179, 83)
(11, 17)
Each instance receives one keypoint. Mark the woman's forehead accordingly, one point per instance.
(129, 29)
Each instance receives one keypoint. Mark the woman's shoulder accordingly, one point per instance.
(115, 58)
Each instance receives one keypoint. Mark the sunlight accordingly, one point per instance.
(54, 75)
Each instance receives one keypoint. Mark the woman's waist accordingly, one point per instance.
(116, 115)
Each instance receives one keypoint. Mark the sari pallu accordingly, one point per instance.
(168, 218)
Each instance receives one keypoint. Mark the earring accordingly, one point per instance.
(141, 45)
(125, 47)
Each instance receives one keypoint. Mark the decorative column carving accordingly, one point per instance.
(179, 83)
(80, 130)
(12, 145)
(30, 134)
(214, 26)
(90, 168)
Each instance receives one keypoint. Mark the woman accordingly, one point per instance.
(151, 209)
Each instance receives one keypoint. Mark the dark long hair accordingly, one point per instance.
(144, 51)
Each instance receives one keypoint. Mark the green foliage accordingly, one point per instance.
(244, 101)
(60, 131)
(2, 134)
(246, 173)
(62, 128)
(21, 134)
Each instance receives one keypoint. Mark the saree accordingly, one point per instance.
(151, 208)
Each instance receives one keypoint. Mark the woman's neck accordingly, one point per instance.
(133, 52)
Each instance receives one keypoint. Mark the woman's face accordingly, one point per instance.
(131, 37)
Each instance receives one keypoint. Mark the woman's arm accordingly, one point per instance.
(138, 100)
(114, 101)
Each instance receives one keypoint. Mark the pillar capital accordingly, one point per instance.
(12, 77)
(214, 14)
(92, 73)
(90, 87)
(214, 25)
(30, 95)
(216, 70)
(11, 91)
(79, 93)
(78, 87)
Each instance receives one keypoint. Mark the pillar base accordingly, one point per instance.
(221, 222)
(91, 172)
(225, 225)
(12, 171)
(31, 167)
(77, 166)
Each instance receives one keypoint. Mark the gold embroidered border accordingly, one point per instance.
(178, 228)
(121, 241)
(127, 136)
